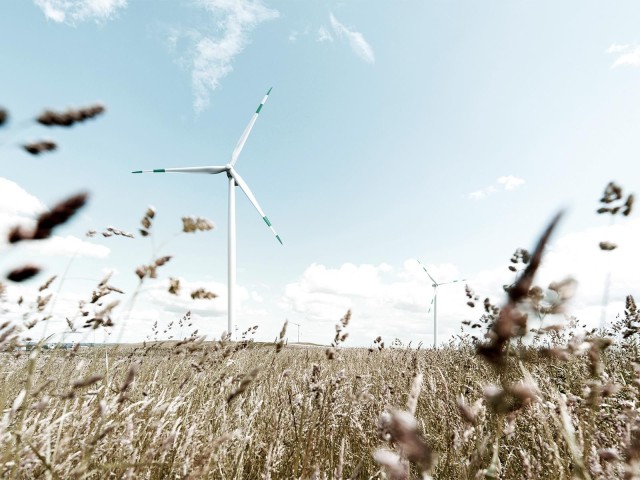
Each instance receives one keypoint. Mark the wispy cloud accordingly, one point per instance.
(295, 35)
(324, 35)
(509, 182)
(626, 55)
(356, 40)
(209, 55)
(504, 183)
(77, 11)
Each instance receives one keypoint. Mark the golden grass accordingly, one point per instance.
(229, 412)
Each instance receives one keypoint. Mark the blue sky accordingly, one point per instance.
(445, 131)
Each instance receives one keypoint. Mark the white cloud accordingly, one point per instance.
(256, 297)
(14, 200)
(384, 301)
(578, 254)
(179, 304)
(503, 183)
(626, 55)
(477, 195)
(77, 11)
(210, 54)
(209, 316)
(387, 300)
(134, 320)
(510, 182)
(19, 207)
(324, 35)
(393, 302)
(217, 307)
(356, 40)
(617, 48)
(69, 246)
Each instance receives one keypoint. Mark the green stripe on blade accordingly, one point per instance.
(269, 90)
(259, 108)
(137, 171)
(266, 220)
(158, 170)
(278, 237)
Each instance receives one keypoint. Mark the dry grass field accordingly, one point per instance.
(233, 410)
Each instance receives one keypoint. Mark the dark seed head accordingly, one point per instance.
(23, 273)
(58, 215)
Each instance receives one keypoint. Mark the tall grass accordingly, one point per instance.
(223, 411)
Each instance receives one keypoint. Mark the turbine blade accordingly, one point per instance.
(247, 191)
(185, 170)
(431, 305)
(247, 131)
(424, 268)
(453, 281)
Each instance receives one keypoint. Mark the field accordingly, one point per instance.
(241, 410)
(502, 400)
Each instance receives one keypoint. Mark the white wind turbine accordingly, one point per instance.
(235, 180)
(297, 325)
(434, 302)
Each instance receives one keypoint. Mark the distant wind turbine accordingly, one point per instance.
(235, 180)
(434, 303)
(297, 325)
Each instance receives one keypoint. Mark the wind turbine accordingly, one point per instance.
(297, 325)
(434, 302)
(235, 180)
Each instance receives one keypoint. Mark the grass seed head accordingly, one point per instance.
(393, 465)
(58, 215)
(628, 206)
(244, 384)
(87, 382)
(50, 118)
(511, 321)
(203, 294)
(23, 273)
(607, 246)
(174, 286)
(281, 339)
(36, 148)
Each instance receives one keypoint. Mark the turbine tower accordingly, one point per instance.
(297, 325)
(434, 302)
(234, 180)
